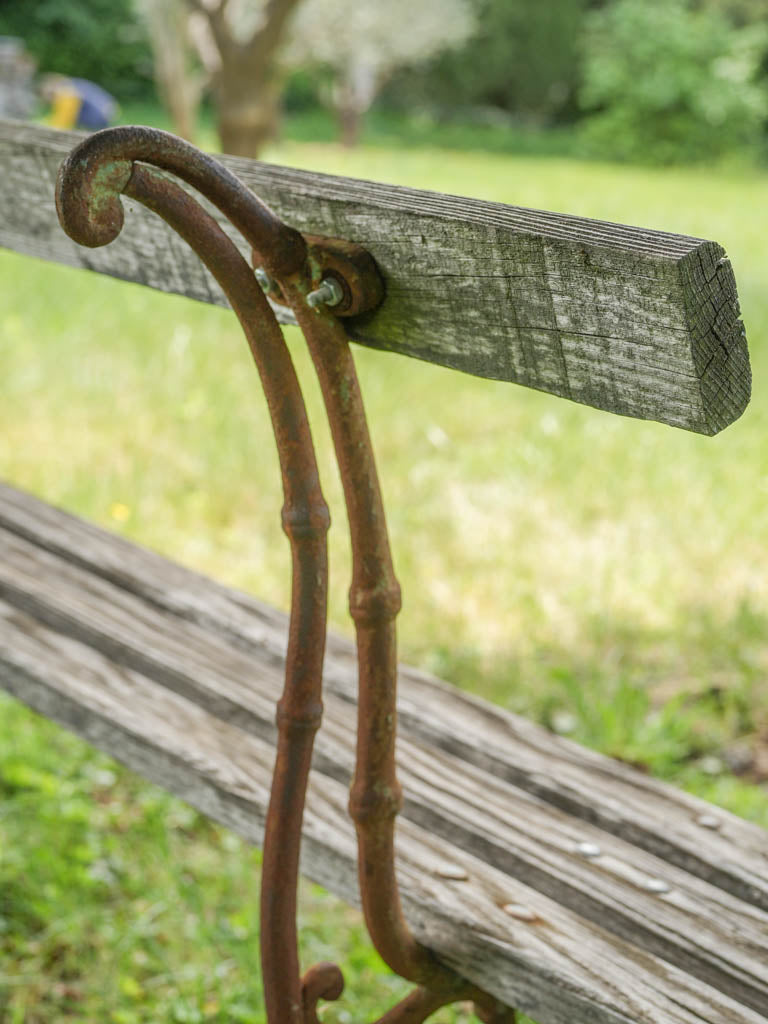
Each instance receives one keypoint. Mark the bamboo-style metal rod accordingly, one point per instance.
(374, 601)
(306, 273)
(305, 520)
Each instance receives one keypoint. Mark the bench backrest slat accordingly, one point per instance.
(641, 323)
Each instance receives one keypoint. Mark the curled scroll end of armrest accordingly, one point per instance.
(88, 188)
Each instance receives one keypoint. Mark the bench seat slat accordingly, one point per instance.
(598, 790)
(710, 933)
(513, 830)
(546, 966)
(233, 686)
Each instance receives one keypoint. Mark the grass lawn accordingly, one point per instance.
(606, 577)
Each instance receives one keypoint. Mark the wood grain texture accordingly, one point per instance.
(637, 322)
(592, 788)
(559, 967)
(78, 598)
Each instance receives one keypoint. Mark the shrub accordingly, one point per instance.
(523, 58)
(102, 40)
(665, 82)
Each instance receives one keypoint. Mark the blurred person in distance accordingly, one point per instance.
(77, 103)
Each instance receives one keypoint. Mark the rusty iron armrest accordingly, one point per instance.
(321, 280)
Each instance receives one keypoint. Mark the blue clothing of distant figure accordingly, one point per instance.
(96, 106)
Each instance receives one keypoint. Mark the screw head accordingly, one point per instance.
(519, 912)
(657, 885)
(588, 850)
(709, 821)
(453, 872)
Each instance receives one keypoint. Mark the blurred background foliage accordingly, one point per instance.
(521, 60)
(666, 80)
(655, 81)
(103, 40)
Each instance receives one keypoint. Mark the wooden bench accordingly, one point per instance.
(559, 881)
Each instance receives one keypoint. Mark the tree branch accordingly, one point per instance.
(217, 20)
(200, 39)
(265, 40)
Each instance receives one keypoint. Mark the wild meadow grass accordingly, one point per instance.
(606, 577)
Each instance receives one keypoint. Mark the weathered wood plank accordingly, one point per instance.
(715, 936)
(558, 967)
(640, 323)
(587, 786)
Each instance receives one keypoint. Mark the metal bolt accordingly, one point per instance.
(265, 281)
(519, 912)
(589, 850)
(657, 885)
(330, 293)
(709, 821)
(452, 871)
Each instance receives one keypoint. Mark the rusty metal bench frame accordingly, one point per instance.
(320, 280)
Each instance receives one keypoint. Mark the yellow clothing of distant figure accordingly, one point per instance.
(77, 103)
(66, 109)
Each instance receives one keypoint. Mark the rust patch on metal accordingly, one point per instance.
(353, 267)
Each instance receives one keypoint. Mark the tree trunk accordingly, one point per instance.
(183, 102)
(248, 109)
(350, 122)
(245, 76)
(179, 86)
(353, 94)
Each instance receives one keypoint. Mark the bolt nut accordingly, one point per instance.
(265, 281)
(329, 293)
(352, 267)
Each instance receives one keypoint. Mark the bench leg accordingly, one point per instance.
(376, 795)
(320, 279)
